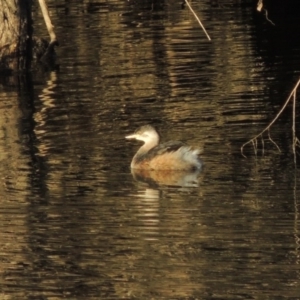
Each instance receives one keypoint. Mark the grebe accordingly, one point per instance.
(172, 155)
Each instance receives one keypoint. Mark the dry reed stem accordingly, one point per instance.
(191, 9)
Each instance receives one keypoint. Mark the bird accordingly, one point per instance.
(172, 155)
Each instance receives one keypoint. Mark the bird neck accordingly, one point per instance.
(148, 146)
(142, 152)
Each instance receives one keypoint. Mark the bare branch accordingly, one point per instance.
(295, 140)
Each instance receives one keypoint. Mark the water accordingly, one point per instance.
(76, 224)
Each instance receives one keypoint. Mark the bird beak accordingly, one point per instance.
(132, 136)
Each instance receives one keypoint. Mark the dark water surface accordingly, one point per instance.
(76, 224)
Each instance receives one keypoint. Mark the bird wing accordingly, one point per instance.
(164, 148)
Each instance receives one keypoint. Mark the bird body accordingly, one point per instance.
(172, 155)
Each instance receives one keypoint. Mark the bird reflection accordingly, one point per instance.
(167, 177)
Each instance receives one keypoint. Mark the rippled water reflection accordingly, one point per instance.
(77, 224)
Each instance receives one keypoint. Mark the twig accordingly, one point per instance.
(191, 9)
(263, 145)
(47, 19)
(292, 94)
(267, 18)
(295, 139)
(260, 7)
(272, 141)
(255, 146)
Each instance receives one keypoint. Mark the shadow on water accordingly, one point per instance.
(77, 224)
